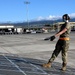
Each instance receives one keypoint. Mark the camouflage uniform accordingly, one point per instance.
(62, 45)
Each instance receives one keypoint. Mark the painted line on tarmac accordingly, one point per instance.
(38, 68)
(15, 65)
(9, 70)
(35, 67)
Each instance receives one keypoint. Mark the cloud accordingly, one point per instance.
(39, 18)
(72, 15)
(53, 17)
(50, 17)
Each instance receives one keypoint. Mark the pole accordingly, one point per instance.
(26, 2)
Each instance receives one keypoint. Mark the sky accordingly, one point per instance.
(19, 11)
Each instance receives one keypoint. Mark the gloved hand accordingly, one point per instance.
(48, 38)
(52, 38)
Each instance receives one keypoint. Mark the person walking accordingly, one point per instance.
(62, 44)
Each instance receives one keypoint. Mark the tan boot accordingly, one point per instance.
(47, 65)
(63, 67)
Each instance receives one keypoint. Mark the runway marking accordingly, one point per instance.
(7, 65)
(15, 65)
(20, 70)
(35, 67)
(38, 68)
(10, 70)
(36, 72)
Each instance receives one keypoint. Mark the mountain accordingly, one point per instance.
(42, 22)
(37, 23)
(33, 23)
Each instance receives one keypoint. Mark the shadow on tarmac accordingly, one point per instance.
(15, 65)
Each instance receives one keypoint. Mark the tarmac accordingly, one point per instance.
(23, 54)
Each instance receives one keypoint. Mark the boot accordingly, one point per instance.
(47, 65)
(63, 67)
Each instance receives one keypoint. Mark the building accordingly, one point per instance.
(6, 29)
(13, 29)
